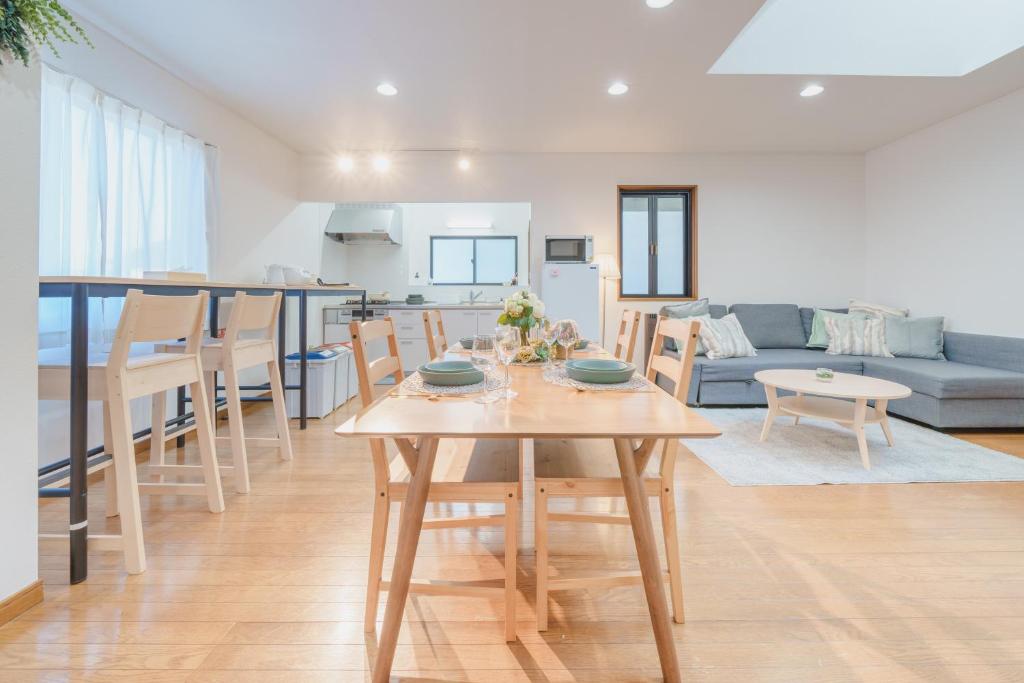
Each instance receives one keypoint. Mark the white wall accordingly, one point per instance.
(393, 268)
(944, 220)
(19, 259)
(772, 228)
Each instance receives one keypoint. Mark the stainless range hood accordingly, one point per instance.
(365, 224)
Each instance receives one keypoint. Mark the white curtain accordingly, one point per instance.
(121, 192)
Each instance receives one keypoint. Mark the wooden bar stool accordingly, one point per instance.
(437, 343)
(625, 340)
(249, 341)
(586, 469)
(122, 375)
(465, 471)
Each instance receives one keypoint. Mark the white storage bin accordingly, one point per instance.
(346, 381)
(320, 387)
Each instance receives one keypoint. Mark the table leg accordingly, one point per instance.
(796, 418)
(303, 361)
(647, 554)
(405, 554)
(773, 410)
(881, 405)
(860, 410)
(78, 522)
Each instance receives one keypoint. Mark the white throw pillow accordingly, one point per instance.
(856, 337)
(724, 338)
(877, 310)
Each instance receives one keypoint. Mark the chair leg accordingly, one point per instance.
(280, 411)
(668, 525)
(541, 543)
(239, 455)
(207, 449)
(110, 473)
(511, 563)
(157, 442)
(127, 481)
(378, 543)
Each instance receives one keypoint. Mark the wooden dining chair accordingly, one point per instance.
(625, 340)
(588, 469)
(249, 341)
(465, 471)
(124, 374)
(437, 342)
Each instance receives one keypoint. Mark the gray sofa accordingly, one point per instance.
(980, 384)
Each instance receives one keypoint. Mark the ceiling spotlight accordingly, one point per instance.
(387, 89)
(346, 164)
(464, 164)
(618, 88)
(658, 4)
(381, 163)
(812, 90)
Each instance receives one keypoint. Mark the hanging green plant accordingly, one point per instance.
(43, 22)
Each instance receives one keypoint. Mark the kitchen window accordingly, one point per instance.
(657, 242)
(487, 260)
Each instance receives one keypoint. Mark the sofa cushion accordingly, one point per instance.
(743, 369)
(771, 326)
(718, 311)
(682, 311)
(1005, 353)
(947, 379)
(807, 318)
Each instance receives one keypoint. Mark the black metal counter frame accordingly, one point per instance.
(96, 288)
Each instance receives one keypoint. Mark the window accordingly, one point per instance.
(121, 192)
(657, 242)
(473, 260)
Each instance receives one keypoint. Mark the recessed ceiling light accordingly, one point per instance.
(381, 163)
(346, 164)
(387, 89)
(618, 88)
(812, 90)
(658, 4)
(464, 164)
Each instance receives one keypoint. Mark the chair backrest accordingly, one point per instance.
(437, 343)
(678, 371)
(372, 371)
(625, 340)
(252, 313)
(152, 318)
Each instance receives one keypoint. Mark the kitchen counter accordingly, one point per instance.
(490, 306)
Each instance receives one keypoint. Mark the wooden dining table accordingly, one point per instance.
(634, 420)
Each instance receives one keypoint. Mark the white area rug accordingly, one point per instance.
(819, 452)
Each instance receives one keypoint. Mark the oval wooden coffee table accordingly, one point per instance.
(844, 400)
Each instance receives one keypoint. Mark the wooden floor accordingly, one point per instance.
(816, 583)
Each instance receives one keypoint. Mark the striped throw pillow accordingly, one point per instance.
(724, 338)
(856, 337)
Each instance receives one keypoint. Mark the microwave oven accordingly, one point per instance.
(568, 248)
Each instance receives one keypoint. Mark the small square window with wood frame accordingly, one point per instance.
(657, 242)
(490, 260)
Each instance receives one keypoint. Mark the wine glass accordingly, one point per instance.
(507, 342)
(483, 356)
(567, 334)
(549, 333)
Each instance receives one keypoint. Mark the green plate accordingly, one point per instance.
(451, 379)
(598, 364)
(581, 344)
(596, 375)
(448, 366)
(467, 342)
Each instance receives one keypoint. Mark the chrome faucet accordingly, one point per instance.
(473, 296)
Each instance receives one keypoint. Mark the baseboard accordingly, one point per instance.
(29, 596)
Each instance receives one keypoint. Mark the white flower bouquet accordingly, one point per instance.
(524, 311)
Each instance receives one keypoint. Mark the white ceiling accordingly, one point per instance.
(875, 37)
(520, 76)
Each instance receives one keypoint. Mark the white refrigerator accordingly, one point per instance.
(573, 290)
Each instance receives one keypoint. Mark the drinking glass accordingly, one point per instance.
(483, 356)
(507, 342)
(549, 333)
(567, 334)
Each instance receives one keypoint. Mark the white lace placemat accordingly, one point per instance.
(558, 376)
(414, 384)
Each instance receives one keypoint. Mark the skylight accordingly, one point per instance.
(875, 37)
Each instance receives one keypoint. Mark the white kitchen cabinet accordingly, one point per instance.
(412, 353)
(458, 323)
(487, 320)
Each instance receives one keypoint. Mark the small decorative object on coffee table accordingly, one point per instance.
(824, 374)
(826, 401)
